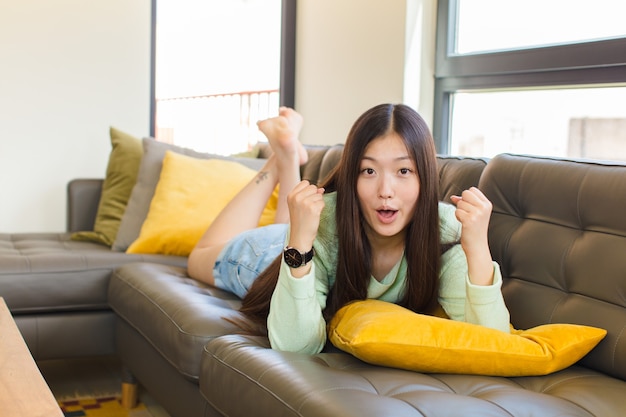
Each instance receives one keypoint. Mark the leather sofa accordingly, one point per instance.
(557, 230)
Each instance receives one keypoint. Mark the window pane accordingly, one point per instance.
(577, 123)
(217, 71)
(489, 25)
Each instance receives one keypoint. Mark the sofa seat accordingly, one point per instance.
(56, 289)
(254, 377)
(49, 272)
(174, 313)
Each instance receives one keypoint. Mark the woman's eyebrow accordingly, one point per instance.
(399, 158)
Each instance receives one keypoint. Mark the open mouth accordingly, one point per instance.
(386, 216)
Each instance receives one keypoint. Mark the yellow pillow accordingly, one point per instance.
(386, 334)
(190, 193)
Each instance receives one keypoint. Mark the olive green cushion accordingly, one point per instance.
(121, 175)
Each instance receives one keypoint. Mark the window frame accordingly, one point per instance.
(287, 80)
(583, 64)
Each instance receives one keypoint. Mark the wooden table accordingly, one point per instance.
(23, 391)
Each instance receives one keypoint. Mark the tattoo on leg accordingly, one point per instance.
(261, 176)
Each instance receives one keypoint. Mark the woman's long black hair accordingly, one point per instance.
(354, 268)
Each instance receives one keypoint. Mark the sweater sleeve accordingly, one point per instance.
(464, 301)
(295, 322)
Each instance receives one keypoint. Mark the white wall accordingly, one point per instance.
(419, 57)
(350, 56)
(69, 69)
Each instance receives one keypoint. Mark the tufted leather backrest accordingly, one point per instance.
(457, 174)
(558, 231)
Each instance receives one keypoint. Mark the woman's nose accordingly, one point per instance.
(385, 188)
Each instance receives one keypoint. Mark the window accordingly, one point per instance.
(583, 123)
(531, 77)
(491, 25)
(219, 66)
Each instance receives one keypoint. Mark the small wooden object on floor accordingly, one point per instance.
(129, 389)
(23, 391)
(129, 395)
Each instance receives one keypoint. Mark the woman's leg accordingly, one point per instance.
(244, 211)
(282, 133)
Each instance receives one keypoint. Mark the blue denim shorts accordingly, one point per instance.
(246, 256)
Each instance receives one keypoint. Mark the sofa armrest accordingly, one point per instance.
(83, 197)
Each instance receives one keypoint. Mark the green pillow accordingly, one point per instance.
(121, 176)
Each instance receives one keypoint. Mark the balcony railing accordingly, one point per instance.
(218, 123)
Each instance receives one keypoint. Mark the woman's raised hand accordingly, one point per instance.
(305, 204)
(473, 210)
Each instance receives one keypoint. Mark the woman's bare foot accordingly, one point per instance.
(282, 132)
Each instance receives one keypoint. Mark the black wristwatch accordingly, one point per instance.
(295, 259)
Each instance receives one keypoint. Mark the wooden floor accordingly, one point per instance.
(90, 377)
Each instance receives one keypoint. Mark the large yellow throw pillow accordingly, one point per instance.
(190, 193)
(386, 334)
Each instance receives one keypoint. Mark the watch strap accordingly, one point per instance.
(308, 256)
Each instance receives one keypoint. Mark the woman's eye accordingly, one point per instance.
(405, 171)
(368, 171)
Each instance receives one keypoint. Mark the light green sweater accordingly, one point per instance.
(295, 322)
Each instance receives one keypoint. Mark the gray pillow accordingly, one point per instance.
(147, 179)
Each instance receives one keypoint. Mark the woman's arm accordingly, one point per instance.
(464, 301)
(470, 281)
(295, 322)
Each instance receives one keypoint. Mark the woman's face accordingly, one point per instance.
(387, 187)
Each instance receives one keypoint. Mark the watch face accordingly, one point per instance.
(293, 258)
